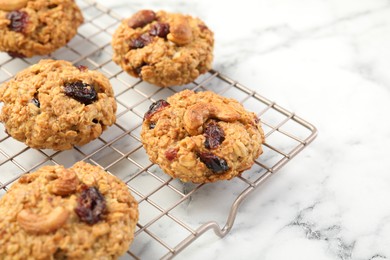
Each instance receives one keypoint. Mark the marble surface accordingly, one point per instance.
(325, 60)
(328, 61)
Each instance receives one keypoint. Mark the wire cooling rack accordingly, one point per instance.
(172, 214)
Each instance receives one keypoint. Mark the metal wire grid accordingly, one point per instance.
(172, 214)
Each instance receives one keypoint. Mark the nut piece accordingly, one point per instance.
(240, 149)
(188, 160)
(66, 183)
(141, 18)
(180, 31)
(7, 5)
(33, 223)
(198, 114)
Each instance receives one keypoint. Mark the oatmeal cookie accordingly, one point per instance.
(201, 137)
(55, 105)
(37, 27)
(77, 213)
(165, 49)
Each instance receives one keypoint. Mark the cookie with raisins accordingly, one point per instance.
(201, 137)
(56, 105)
(165, 49)
(80, 212)
(37, 27)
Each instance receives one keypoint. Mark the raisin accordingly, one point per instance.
(36, 102)
(18, 20)
(152, 125)
(60, 254)
(156, 107)
(52, 6)
(141, 18)
(82, 68)
(257, 120)
(138, 69)
(15, 54)
(213, 162)
(91, 206)
(214, 135)
(141, 41)
(203, 27)
(171, 153)
(81, 92)
(160, 30)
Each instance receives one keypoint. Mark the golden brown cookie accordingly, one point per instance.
(201, 137)
(55, 105)
(37, 27)
(165, 49)
(58, 213)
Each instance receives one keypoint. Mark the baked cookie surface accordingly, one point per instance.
(201, 137)
(165, 49)
(55, 105)
(77, 213)
(37, 27)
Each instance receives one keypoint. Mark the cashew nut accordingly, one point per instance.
(240, 149)
(45, 223)
(180, 31)
(66, 183)
(7, 5)
(141, 18)
(198, 114)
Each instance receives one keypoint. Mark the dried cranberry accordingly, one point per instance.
(156, 107)
(18, 20)
(160, 30)
(214, 135)
(213, 162)
(141, 41)
(91, 206)
(81, 92)
(82, 68)
(152, 125)
(171, 153)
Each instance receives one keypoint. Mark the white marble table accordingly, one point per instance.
(328, 61)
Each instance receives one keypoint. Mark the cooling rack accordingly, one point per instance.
(172, 214)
